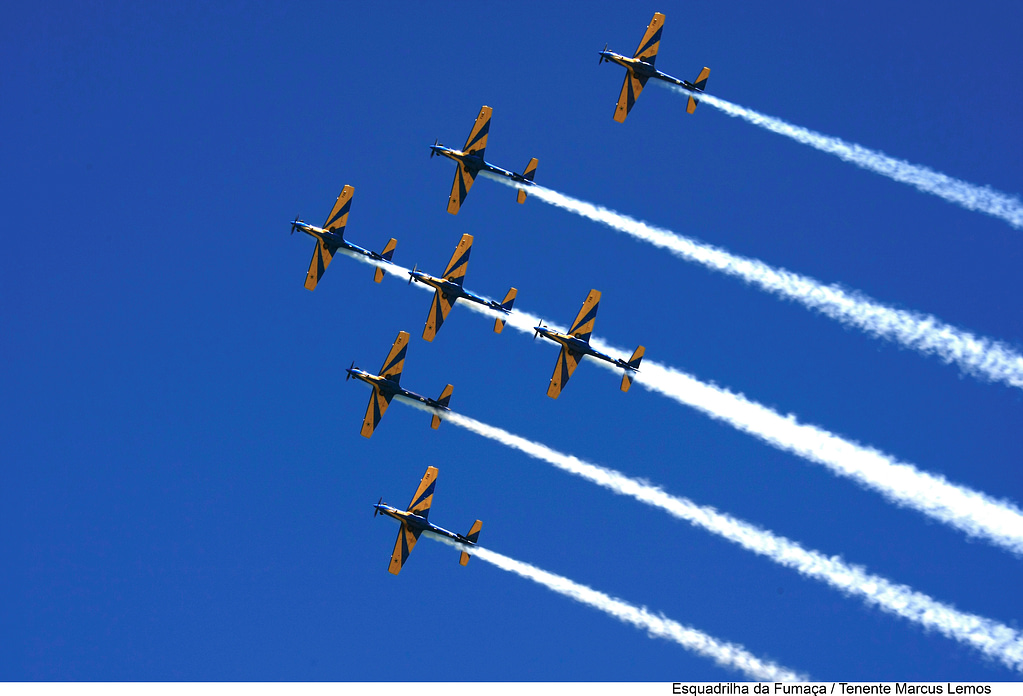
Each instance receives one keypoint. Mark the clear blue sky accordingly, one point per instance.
(186, 494)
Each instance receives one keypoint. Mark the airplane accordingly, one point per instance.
(385, 387)
(641, 68)
(331, 237)
(576, 343)
(470, 163)
(449, 288)
(414, 522)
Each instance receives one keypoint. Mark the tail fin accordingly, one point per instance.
(444, 400)
(699, 85)
(387, 253)
(632, 365)
(506, 305)
(528, 176)
(473, 536)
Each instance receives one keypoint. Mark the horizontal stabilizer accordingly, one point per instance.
(700, 85)
(506, 305)
(630, 366)
(528, 176)
(473, 536)
(386, 254)
(444, 400)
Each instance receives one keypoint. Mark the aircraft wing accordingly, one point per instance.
(459, 263)
(322, 256)
(423, 498)
(407, 539)
(647, 51)
(477, 140)
(439, 309)
(395, 361)
(338, 217)
(378, 402)
(582, 327)
(460, 188)
(568, 360)
(631, 88)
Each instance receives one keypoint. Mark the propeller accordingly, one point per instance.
(537, 332)
(348, 375)
(415, 267)
(432, 151)
(603, 57)
(295, 224)
(376, 510)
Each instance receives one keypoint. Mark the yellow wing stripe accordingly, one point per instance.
(476, 143)
(378, 402)
(403, 546)
(630, 92)
(460, 188)
(439, 310)
(322, 256)
(651, 41)
(338, 217)
(395, 361)
(459, 263)
(423, 498)
(582, 327)
(567, 362)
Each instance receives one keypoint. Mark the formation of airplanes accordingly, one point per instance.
(448, 288)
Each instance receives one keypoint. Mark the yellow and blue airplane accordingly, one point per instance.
(576, 343)
(385, 387)
(641, 68)
(414, 522)
(470, 163)
(449, 288)
(331, 237)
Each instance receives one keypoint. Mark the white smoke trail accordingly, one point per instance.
(983, 199)
(991, 638)
(972, 512)
(981, 357)
(659, 626)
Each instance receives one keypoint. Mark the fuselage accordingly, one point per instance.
(335, 240)
(643, 69)
(577, 345)
(389, 386)
(476, 164)
(421, 523)
(453, 290)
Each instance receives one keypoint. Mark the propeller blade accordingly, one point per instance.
(376, 510)
(415, 267)
(432, 151)
(294, 224)
(603, 57)
(348, 375)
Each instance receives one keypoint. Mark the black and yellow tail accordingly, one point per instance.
(700, 85)
(444, 400)
(386, 254)
(473, 536)
(632, 366)
(528, 176)
(506, 305)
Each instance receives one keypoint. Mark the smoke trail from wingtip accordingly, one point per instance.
(978, 356)
(994, 639)
(982, 199)
(725, 654)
